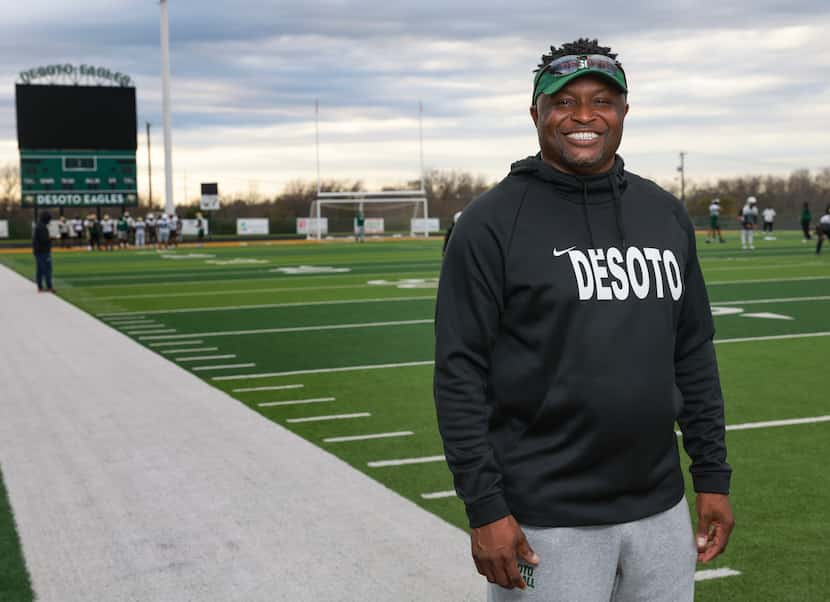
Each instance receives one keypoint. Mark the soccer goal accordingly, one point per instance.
(383, 212)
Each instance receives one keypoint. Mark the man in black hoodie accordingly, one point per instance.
(42, 249)
(573, 330)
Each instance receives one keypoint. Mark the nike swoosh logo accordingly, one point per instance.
(565, 252)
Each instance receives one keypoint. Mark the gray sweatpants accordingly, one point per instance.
(648, 560)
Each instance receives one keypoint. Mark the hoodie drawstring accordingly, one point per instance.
(585, 213)
(615, 194)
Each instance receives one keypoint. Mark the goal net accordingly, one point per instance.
(388, 212)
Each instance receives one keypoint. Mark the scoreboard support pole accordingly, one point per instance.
(165, 101)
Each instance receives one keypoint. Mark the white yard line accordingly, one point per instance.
(367, 437)
(153, 332)
(402, 461)
(274, 388)
(330, 417)
(779, 300)
(774, 423)
(776, 337)
(132, 322)
(176, 343)
(139, 328)
(196, 358)
(222, 367)
(293, 402)
(190, 350)
(228, 333)
(278, 305)
(766, 266)
(133, 317)
(715, 574)
(437, 495)
(324, 370)
(762, 280)
(284, 289)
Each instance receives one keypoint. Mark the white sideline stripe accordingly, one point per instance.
(760, 280)
(780, 300)
(226, 333)
(222, 367)
(772, 423)
(776, 337)
(193, 358)
(402, 461)
(190, 350)
(269, 404)
(176, 343)
(274, 388)
(439, 494)
(283, 289)
(715, 574)
(154, 332)
(324, 370)
(330, 417)
(287, 304)
(148, 327)
(365, 437)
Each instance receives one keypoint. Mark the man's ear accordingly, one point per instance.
(534, 114)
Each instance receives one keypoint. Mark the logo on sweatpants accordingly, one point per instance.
(612, 274)
(526, 571)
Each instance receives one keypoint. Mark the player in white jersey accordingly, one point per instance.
(78, 229)
(163, 231)
(151, 228)
(749, 219)
(769, 218)
(140, 231)
(823, 229)
(714, 221)
(174, 229)
(108, 230)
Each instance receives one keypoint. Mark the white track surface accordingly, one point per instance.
(132, 479)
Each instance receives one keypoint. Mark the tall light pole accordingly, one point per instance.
(421, 140)
(149, 168)
(165, 107)
(682, 170)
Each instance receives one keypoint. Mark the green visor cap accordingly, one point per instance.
(554, 76)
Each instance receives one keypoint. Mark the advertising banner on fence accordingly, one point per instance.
(308, 225)
(252, 225)
(371, 225)
(4, 228)
(190, 227)
(420, 225)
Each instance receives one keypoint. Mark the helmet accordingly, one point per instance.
(716, 201)
(751, 200)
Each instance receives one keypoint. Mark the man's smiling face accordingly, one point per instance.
(580, 126)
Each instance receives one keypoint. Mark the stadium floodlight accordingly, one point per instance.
(165, 105)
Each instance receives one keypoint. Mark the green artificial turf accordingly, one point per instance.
(14, 579)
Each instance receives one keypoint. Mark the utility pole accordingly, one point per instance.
(682, 170)
(149, 167)
(165, 105)
(421, 140)
(317, 138)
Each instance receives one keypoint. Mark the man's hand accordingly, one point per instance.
(496, 549)
(714, 524)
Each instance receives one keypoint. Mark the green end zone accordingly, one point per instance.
(781, 491)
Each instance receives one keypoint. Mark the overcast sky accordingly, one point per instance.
(742, 86)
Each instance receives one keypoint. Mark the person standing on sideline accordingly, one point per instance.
(200, 229)
(123, 229)
(163, 231)
(572, 330)
(63, 230)
(78, 229)
(139, 233)
(42, 250)
(749, 219)
(360, 224)
(151, 229)
(806, 219)
(769, 220)
(823, 229)
(714, 221)
(173, 239)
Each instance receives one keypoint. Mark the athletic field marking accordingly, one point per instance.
(135, 317)
(298, 289)
(776, 337)
(223, 367)
(274, 388)
(436, 495)
(176, 343)
(155, 332)
(145, 327)
(767, 266)
(767, 316)
(324, 370)
(293, 402)
(714, 283)
(276, 305)
(129, 322)
(189, 350)
(715, 574)
(772, 423)
(779, 300)
(366, 437)
(330, 417)
(196, 358)
(226, 333)
(402, 461)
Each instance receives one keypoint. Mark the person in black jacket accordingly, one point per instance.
(573, 330)
(42, 249)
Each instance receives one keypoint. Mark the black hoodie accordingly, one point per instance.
(572, 330)
(41, 241)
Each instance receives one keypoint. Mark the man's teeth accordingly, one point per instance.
(583, 135)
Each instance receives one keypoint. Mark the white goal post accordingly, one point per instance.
(416, 198)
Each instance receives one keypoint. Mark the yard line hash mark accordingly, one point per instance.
(324, 370)
(190, 350)
(196, 358)
(436, 495)
(271, 388)
(292, 402)
(179, 343)
(403, 461)
(222, 367)
(715, 574)
(330, 417)
(367, 437)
